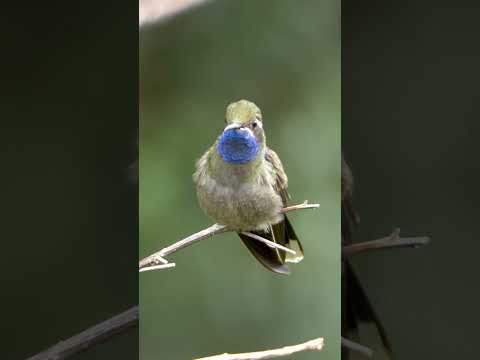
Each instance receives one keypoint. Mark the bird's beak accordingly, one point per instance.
(232, 126)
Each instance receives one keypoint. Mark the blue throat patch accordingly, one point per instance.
(237, 147)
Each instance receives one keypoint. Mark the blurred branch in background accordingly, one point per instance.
(389, 242)
(91, 337)
(150, 11)
(361, 349)
(158, 261)
(312, 345)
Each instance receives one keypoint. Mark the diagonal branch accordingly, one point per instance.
(155, 259)
(150, 11)
(391, 241)
(157, 267)
(361, 349)
(90, 337)
(269, 243)
(158, 261)
(303, 206)
(312, 345)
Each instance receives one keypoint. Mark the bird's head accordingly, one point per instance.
(243, 137)
(242, 112)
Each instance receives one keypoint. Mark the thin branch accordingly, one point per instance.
(158, 267)
(154, 259)
(361, 349)
(269, 243)
(312, 345)
(389, 242)
(90, 337)
(158, 258)
(305, 205)
(150, 11)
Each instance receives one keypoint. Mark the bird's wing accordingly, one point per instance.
(201, 168)
(281, 179)
(283, 231)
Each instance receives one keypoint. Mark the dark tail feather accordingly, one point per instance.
(293, 243)
(267, 256)
(359, 309)
(274, 259)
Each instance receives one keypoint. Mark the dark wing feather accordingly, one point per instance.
(287, 236)
(268, 257)
(281, 179)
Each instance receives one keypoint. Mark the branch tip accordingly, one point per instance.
(157, 267)
(391, 241)
(312, 345)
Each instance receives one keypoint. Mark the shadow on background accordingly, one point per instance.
(410, 130)
(218, 299)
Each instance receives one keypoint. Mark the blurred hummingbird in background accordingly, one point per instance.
(356, 307)
(241, 183)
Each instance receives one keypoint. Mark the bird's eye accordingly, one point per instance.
(256, 124)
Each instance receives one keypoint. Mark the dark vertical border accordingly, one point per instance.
(410, 131)
(69, 118)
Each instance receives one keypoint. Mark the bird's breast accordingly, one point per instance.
(242, 206)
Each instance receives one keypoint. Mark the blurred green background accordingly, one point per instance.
(286, 58)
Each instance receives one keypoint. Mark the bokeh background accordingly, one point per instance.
(69, 212)
(286, 58)
(410, 129)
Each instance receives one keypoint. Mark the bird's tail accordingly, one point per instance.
(274, 259)
(358, 309)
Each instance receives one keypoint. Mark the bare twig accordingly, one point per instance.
(389, 242)
(361, 349)
(150, 11)
(158, 258)
(154, 259)
(90, 337)
(303, 206)
(157, 267)
(269, 243)
(312, 345)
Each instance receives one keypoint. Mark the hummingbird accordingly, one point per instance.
(241, 183)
